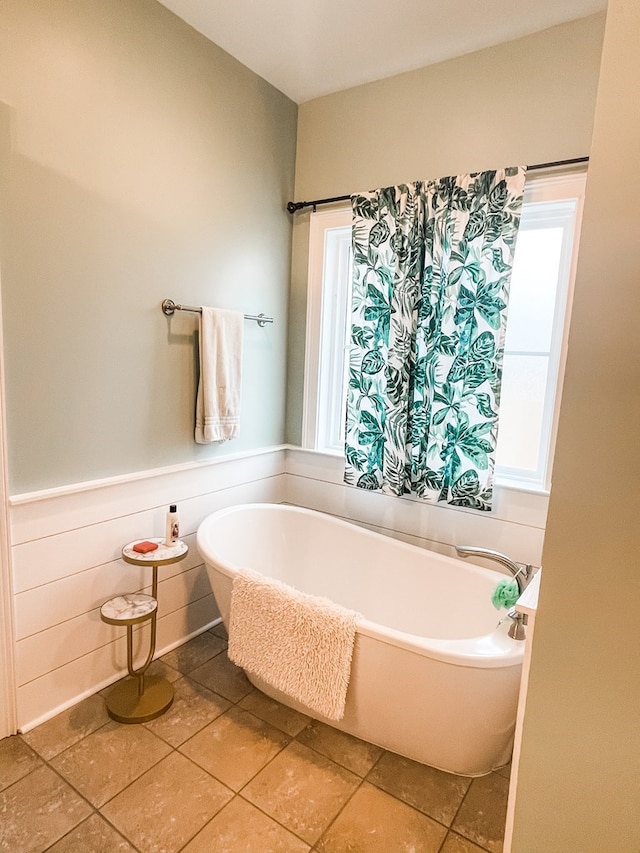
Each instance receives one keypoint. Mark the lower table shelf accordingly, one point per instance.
(141, 697)
(128, 609)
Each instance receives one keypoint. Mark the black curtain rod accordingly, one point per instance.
(294, 206)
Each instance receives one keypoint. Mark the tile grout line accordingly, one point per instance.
(173, 749)
(95, 810)
(335, 818)
(453, 820)
(292, 739)
(295, 738)
(235, 703)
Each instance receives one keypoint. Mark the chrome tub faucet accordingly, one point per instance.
(522, 573)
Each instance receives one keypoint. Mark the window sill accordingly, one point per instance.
(520, 486)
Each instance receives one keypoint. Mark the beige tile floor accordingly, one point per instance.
(227, 770)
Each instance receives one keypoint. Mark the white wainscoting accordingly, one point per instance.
(515, 526)
(66, 547)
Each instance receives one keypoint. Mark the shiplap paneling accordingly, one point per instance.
(66, 561)
(65, 642)
(45, 513)
(516, 526)
(72, 548)
(42, 698)
(52, 603)
(66, 556)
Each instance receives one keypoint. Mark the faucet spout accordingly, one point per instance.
(522, 572)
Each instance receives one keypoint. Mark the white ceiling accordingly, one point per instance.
(308, 48)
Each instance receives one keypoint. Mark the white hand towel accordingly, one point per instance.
(218, 401)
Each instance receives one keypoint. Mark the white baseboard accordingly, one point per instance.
(107, 682)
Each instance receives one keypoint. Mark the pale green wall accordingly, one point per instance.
(578, 786)
(137, 161)
(526, 101)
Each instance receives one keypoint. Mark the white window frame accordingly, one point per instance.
(323, 316)
(568, 188)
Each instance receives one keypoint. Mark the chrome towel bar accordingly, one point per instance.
(169, 307)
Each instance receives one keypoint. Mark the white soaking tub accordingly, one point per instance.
(434, 676)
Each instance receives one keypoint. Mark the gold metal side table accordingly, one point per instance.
(141, 698)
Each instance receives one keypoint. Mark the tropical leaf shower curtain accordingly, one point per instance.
(432, 266)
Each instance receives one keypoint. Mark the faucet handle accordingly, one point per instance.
(527, 571)
(516, 629)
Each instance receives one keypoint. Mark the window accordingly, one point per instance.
(541, 289)
(328, 318)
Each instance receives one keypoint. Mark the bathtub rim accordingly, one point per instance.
(488, 651)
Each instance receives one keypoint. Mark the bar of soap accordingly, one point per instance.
(145, 547)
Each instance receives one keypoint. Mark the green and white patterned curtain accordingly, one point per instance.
(432, 267)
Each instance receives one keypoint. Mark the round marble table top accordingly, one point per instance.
(162, 556)
(128, 609)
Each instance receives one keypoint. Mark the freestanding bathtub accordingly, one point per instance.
(434, 677)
